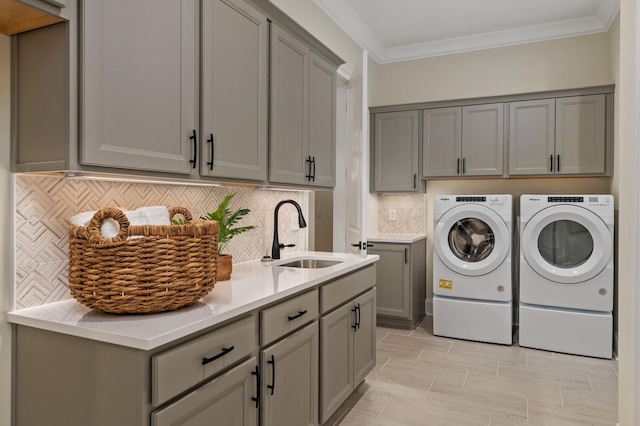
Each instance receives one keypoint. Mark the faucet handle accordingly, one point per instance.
(287, 245)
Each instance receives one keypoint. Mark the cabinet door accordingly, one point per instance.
(139, 87)
(483, 140)
(289, 131)
(364, 338)
(532, 137)
(580, 135)
(441, 142)
(396, 151)
(336, 358)
(227, 400)
(393, 280)
(234, 91)
(322, 122)
(290, 380)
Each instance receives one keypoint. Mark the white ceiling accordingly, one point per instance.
(397, 30)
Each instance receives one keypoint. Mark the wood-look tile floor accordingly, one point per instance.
(422, 379)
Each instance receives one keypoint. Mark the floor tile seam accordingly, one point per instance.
(428, 391)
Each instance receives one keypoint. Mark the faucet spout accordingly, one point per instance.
(276, 246)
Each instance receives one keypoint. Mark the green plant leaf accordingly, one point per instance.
(226, 220)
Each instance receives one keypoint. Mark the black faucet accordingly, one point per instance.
(276, 246)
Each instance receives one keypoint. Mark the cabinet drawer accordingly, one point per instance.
(288, 316)
(339, 291)
(180, 368)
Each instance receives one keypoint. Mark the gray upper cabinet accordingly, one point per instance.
(564, 136)
(442, 142)
(463, 141)
(580, 135)
(139, 87)
(395, 151)
(234, 91)
(532, 137)
(302, 122)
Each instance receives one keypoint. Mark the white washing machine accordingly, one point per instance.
(472, 280)
(566, 273)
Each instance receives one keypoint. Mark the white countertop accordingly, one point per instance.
(252, 285)
(395, 238)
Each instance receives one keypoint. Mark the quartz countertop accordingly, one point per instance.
(252, 285)
(395, 238)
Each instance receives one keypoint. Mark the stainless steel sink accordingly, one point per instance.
(310, 263)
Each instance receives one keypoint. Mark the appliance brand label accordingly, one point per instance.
(447, 284)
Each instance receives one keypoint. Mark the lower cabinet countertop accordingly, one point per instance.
(395, 238)
(252, 285)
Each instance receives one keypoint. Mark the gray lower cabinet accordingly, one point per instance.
(560, 136)
(302, 113)
(227, 399)
(290, 380)
(395, 151)
(235, 54)
(401, 282)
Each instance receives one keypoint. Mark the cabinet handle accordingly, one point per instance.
(406, 255)
(225, 351)
(358, 308)
(551, 163)
(210, 162)
(194, 138)
(414, 181)
(463, 165)
(308, 161)
(272, 386)
(298, 315)
(558, 168)
(369, 245)
(256, 398)
(355, 318)
(458, 167)
(313, 174)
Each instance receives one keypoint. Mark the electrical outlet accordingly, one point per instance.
(392, 214)
(319, 211)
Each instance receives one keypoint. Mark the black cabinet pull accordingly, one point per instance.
(558, 168)
(220, 355)
(415, 183)
(406, 255)
(313, 164)
(463, 165)
(355, 318)
(194, 138)
(551, 163)
(458, 168)
(298, 315)
(256, 398)
(210, 141)
(369, 245)
(359, 312)
(308, 161)
(272, 386)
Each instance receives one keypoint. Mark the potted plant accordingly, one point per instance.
(227, 219)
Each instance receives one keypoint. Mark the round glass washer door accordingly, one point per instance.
(471, 240)
(566, 244)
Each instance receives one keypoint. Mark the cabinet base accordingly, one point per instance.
(410, 324)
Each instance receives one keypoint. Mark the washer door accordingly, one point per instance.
(471, 240)
(566, 244)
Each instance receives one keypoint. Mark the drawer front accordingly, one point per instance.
(288, 316)
(180, 368)
(345, 288)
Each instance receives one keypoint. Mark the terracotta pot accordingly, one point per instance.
(224, 267)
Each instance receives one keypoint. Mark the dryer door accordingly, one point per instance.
(471, 239)
(566, 244)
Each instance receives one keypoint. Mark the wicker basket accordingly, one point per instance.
(161, 268)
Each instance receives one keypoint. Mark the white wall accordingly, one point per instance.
(6, 281)
(549, 65)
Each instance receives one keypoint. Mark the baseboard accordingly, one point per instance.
(428, 307)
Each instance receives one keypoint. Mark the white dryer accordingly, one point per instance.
(472, 280)
(566, 273)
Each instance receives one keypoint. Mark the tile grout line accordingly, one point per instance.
(428, 390)
(490, 419)
(465, 378)
(419, 355)
(498, 369)
(591, 384)
(450, 346)
(383, 337)
(561, 399)
(615, 371)
(527, 410)
(385, 364)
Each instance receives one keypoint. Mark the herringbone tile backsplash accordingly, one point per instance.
(411, 213)
(44, 205)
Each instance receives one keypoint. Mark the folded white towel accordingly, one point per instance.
(156, 215)
(110, 227)
(82, 219)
